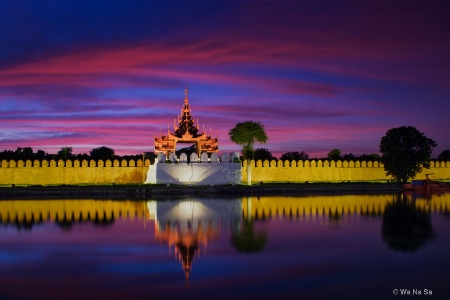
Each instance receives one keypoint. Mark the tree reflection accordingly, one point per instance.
(247, 240)
(64, 224)
(406, 228)
(67, 224)
(22, 224)
(103, 222)
(335, 218)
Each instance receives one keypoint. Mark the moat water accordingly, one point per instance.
(316, 247)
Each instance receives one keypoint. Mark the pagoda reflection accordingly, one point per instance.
(190, 226)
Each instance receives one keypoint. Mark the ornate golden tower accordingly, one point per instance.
(186, 132)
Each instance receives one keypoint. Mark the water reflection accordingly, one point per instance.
(406, 227)
(244, 238)
(247, 240)
(67, 224)
(69, 210)
(188, 225)
(301, 247)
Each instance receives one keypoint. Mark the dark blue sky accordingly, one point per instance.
(318, 75)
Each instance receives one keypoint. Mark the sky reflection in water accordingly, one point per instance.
(357, 246)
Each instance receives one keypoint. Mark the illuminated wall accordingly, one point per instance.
(322, 171)
(72, 172)
(121, 172)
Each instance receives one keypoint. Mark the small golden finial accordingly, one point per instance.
(186, 95)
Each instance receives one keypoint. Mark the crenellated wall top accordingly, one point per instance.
(258, 163)
(73, 163)
(204, 158)
(329, 164)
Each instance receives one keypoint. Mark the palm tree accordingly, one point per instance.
(247, 240)
(65, 153)
(246, 134)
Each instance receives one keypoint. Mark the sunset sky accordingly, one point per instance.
(318, 75)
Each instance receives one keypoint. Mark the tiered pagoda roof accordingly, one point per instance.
(186, 131)
(185, 127)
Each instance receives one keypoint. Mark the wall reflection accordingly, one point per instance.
(29, 212)
(188, 226)
(333, 207)
(69, 211)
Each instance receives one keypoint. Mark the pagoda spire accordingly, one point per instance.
(186, 131)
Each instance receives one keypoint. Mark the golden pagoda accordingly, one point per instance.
(186, 132)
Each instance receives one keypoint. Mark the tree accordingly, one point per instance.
(370, 157)
(348, 156)
(18, 153)
(445, 155)
(7, 155)
(81, 156)
(246, 134)
(263, 154)
(290, 156)
(40, 154)
(334, 154)
(23, 153)
(103, 153)
(151, 156)
(27, 153)
(65, 153)
(405, 151)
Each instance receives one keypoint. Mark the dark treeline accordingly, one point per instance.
(335, 154)
(66, 153)
(105, 153)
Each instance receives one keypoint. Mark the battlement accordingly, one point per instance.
(73, 163)
(332, 164)
(203, 158)
(69, 172)
(331, 171)
(74, 172)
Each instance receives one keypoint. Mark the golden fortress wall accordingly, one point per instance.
(123, 172)
(331, 171)
(72, 172)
